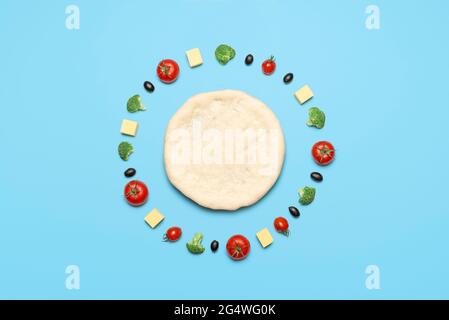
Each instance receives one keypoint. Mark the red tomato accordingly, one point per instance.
(167, 70)
(281, 225)
(136, 193)
(268, 66)
(323, 153)
(173, 234)
(238, 247)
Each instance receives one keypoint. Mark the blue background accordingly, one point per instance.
(383, 202)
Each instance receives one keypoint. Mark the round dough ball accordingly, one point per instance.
(224, 149)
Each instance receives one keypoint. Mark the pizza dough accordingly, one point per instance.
(224, 149)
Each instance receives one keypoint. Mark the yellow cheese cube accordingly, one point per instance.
(194, 57)
(154, 218)
(304, 94)
(265, 237)
(129, 128)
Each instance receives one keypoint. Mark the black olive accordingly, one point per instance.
(148, 86)
(130, 172)
(214, 245)
(249, 59)
(288, 78)
(316, 176)
(294, 211)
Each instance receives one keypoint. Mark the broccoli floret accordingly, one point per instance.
(194, 245)
(306, 195)
(224, 53)
(124, 150)
(134, 104)
(317, 118)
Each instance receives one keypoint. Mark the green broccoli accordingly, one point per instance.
(317, 118)
(224, 53)
(124, 150)
(134, 104)
(306, 195)
(194, 245)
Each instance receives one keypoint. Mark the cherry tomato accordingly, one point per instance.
(281, 225)
(136, 193)
(238, 247)
(268, 66)
(173, 234)
(167, 70)
(323, 153)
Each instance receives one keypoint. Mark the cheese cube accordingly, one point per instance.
(194, 57)
(154, 218)
(129, 128)
(265, 237)
(304, 94)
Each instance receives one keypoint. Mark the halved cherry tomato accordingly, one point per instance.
(281, 225)
(323, 153)
(238, 247)
(136, 193)
(167, 70)
(173, 234)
